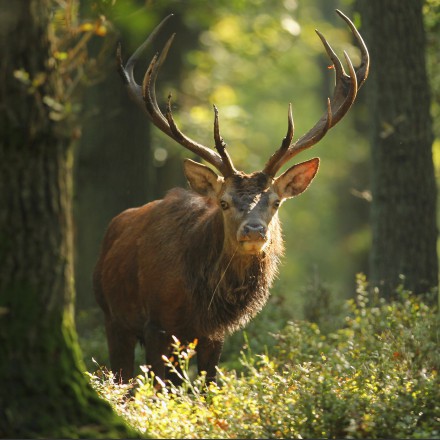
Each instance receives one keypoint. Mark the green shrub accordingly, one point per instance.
(257, 336)
(375, 377)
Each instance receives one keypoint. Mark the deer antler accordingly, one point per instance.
(145, 95)
(344, 94)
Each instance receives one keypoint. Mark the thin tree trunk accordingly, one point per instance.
(403, 211)
(43, 390)
(113, 172)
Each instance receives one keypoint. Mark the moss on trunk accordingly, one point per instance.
(43, 391)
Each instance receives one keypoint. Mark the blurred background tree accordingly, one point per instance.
(404, 194)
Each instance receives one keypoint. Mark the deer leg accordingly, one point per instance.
(156, 345)
(208, 357)
(121, 344)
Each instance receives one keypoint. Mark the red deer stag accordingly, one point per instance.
(199, 263)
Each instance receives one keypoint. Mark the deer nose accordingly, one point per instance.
(254, 231)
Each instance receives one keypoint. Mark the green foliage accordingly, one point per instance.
(257, 335)
(377, 376)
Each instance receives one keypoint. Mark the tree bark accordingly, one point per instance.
(403, 212)
(44, 392)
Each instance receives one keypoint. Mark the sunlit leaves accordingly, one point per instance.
(376, 377)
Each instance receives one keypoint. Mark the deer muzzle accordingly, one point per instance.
(253, 237)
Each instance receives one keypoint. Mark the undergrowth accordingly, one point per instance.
(376, 377)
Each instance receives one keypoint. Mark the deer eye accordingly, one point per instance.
(277, 204)
(224, 205)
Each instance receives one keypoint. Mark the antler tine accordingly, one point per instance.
(363, 69)
(126, 72)
(271, 166)
(344, 94)
(145, 95)
(149, 88)
(346, 86)
(220, 146)
(206, 153)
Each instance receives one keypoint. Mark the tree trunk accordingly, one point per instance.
(43, 390)
(403, 210)
(113, 172)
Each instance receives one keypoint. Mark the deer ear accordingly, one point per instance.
(202, 179)
(296, 179)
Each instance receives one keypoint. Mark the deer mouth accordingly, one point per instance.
(252, 247)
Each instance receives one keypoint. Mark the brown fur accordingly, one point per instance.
(163, 264)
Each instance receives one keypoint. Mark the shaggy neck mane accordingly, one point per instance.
(228, 288)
